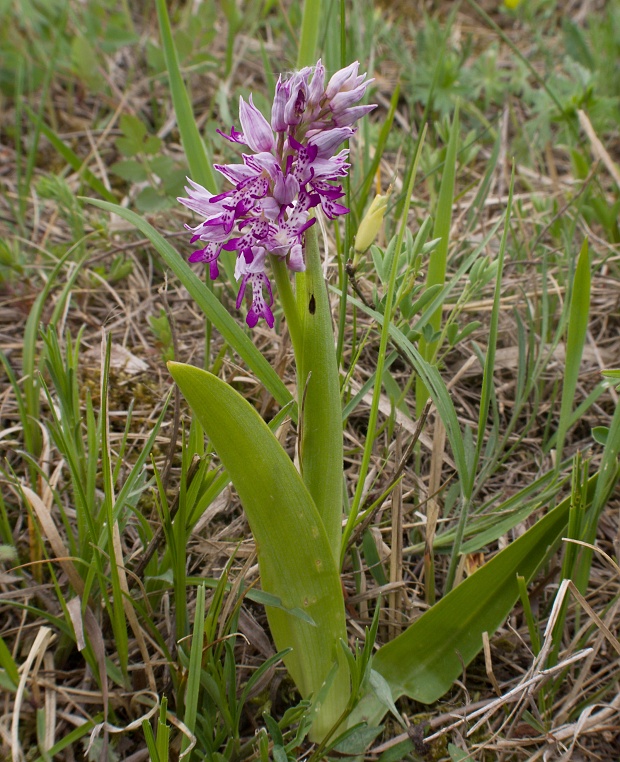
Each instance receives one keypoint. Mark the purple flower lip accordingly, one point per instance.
(295, 166)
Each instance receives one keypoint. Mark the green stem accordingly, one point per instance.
(320, 449)
(287, 299)
(342, 318)
(458, 541)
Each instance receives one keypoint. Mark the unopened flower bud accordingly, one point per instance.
(371, 223)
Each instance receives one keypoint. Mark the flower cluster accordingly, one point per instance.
(295, 166)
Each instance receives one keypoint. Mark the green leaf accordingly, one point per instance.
(608, 478)
(356, 740)
(160, 325)
(439, 257)
(149, 201)
(8, 664)
(456, 754)
(130, 170)
(600, 434)
(136, 138)
(386, 327)
(423, 662)
(383, 692)
(397, 753)
(86, 64)
(279, 754)
(309, 36)
(134, 135)
(208, 303)
(486, 393)
(162, 166)
(194, 667)
(295, 558)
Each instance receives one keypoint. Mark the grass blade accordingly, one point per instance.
(579, 314)
(308, 38)
(609, 474)
(386, 326)
(194, 667)
(439, 258)
(200, 166)
(486, 394)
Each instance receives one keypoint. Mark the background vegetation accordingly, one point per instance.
(113, 508)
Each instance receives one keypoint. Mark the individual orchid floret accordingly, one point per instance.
(256, 130)
(295, 166)
(344, 80)
(253, 273)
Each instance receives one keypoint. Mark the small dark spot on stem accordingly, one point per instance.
(312, 305)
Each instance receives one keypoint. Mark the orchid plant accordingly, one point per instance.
(296, 514)
(268, 219)
(293, 172)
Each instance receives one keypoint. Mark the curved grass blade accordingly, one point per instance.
(310, 21)
(439, 258)
(609, 474)
(208, 303)
(194, 668)
(386, 328)
(486, 392)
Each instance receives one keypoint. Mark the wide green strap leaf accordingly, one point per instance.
(429, 656)
(295, 558)
(208, 303)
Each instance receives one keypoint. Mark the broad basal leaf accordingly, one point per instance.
(429, 656)
(295, 559)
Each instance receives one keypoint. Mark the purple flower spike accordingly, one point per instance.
(288, 174)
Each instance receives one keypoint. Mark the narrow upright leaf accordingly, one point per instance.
(437, 264)
(310, 24)
(193, 145)
(321, 431)
(579, 313)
